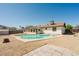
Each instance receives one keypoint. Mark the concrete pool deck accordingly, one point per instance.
(51, 50)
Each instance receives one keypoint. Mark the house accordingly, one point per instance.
(75, 29)
(14, 30)
(4, 30)
(50, 28)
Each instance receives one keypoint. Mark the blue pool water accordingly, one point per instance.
(32, 36)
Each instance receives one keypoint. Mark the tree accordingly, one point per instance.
(69, 27)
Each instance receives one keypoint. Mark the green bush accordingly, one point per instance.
(68, 27)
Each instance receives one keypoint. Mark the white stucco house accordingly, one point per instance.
(50, 28)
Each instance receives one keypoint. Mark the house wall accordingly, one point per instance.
(59, 30)
(4, 31)
(63, 30)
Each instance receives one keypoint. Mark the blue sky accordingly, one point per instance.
(28, 14)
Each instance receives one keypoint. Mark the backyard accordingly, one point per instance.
(16, 47)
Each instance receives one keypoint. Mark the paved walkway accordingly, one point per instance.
(50, 50)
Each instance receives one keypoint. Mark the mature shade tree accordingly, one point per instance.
(69, 27)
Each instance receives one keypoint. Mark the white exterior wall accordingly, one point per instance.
(59, 30)
(63, 30)
(4, 31)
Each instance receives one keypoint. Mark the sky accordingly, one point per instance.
(41, 13)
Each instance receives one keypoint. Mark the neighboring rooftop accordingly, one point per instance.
(3, 27)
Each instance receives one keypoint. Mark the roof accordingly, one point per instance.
(47, 25)
(52, 25)
(3, 27)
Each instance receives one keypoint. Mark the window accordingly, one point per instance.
(54, 28)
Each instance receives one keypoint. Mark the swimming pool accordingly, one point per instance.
(33, 36)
